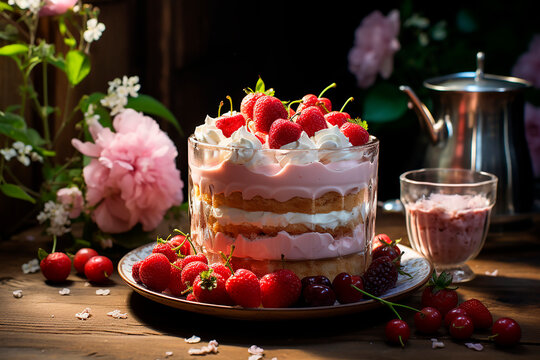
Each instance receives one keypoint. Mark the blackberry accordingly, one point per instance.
(380, 276)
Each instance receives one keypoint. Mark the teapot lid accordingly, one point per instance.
(476, 81)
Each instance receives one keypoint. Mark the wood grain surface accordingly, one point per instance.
(42, 324)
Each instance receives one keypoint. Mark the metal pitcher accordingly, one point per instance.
(478, 123)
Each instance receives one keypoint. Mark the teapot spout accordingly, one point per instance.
(434, 127)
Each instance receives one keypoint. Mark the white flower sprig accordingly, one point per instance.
(22, 152)
(58, 217)
(93, 31)
(33, 5)
(118, 92)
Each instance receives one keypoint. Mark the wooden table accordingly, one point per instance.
(42, 324)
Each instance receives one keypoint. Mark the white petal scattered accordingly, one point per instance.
(30, 267)
(477, 347)
(64, 291)
(168, 353)
(211, 348)
(17, 294)
(193, 340)
(83, 315)
(493, 273)
(117, 314)
(255, 350)
(103, 292)
(255, 357)
(87, 284)
(435, 343)
(52, 316)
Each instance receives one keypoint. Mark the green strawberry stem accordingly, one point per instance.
(387, 303)
(188, 238)
(54, 244)
(332, 85)
(292, 102)
(228, 259)
(346, 102)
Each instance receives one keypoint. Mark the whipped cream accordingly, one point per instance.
(298, 157)
(331, 139)
(208, 132)
(231, 216)
(245, 146)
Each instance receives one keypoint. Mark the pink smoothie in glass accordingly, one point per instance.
(448, 229)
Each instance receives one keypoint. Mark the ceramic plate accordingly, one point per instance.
(413, 263)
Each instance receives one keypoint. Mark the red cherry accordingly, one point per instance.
(56, 267)
(452, 314)
(461, 327)
(98, 268)
(428, 320)
(318, 295)
(345, 293)
(397, 331)
(81, 257)
(506, 332)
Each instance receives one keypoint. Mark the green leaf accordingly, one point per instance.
(259, 87)
(42, 254)
(149, 105)
(93, 98)
(77, 66)
(13, 49)
(384, 103)
(16, 192)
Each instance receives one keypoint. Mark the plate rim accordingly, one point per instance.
(260, 313)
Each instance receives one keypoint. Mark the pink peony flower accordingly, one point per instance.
(56, 7)
(528, 64)
(375, 43)
(532, 133)
(132, 176)
(72, 200)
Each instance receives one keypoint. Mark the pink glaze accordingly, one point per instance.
(311, 245)
(448, 229)
(283, 183)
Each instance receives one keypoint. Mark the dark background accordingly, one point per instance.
(191, 54)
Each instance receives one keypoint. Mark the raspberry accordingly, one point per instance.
(380, 276)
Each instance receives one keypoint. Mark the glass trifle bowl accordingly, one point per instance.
(309, 210)
(447, 215)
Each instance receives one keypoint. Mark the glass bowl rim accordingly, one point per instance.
(491, 178)
(372, 143)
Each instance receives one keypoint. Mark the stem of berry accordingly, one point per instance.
(219, 109)
(346, 102)
(54, 244)
(228, 259)
(188, 238)
(387, 303)
(292, 102)
(332, 85)
(230, 101)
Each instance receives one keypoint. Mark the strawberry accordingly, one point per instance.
(312, 120)
(209, 287)
(196, 257)
(221, 269)
(279, 289)
(180, 243)
(384, 246)
(322, 103)
(135, 271)
(191, 297)
(283, 132)
(355, 131)
(478, 312)
(229, 123)
(165, 249)
(155, 272)
(191, 270)
(380, 276)
(176, 286)
(337, 118)
(440, 294)
(244, 289)
(248, 102)
(267, 109)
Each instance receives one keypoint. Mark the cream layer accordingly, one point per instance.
(307, 246)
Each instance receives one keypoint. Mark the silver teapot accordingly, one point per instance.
(478, 123)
